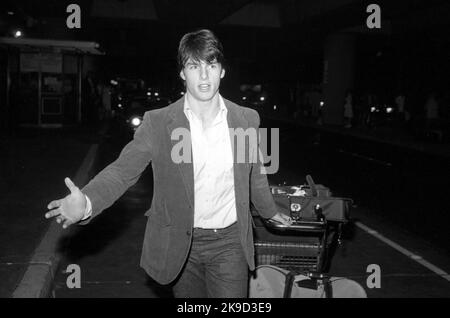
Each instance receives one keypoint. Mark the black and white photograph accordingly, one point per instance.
(220, 156)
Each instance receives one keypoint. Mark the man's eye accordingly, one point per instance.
(213, 65)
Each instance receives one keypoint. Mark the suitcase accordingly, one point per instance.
(274, 282)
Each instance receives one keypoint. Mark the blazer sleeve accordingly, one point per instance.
(108, 185)
(260, 195)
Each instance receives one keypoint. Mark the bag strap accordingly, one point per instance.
(328, 288)
(288, 285)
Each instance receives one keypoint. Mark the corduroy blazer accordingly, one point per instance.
(169, 228)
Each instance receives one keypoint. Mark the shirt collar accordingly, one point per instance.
(222, 108)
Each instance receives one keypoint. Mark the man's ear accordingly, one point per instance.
(183, 77)
(222, 73)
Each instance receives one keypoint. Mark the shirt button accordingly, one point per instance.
(188, 233)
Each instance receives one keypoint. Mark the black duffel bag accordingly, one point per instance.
(311, 202)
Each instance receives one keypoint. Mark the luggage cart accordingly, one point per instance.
(303, 247)
(293, 260)
(297, 257)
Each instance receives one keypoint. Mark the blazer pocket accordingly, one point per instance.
(159, 214)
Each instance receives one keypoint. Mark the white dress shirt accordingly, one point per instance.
(215, 202)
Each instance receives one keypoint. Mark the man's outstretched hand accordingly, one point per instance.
(70, 209)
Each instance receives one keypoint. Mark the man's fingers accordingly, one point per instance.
(286, 219)
(282, 218)
(67, 223)
(54, 204)
(72, 187)
(52, 213)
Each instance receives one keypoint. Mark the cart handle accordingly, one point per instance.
(299, 226)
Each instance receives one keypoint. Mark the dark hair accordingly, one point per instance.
(201, 45)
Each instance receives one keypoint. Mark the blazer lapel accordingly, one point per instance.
(236, 119)
(177, 119)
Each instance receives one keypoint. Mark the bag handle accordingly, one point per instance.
(312, 185)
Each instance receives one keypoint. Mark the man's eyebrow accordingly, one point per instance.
(195, 62)
(191, 62)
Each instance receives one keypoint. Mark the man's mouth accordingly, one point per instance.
(204, 87)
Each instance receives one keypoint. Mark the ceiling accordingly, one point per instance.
(323, 14)
(251, 30)
(306, 21)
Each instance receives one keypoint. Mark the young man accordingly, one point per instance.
(199, 234)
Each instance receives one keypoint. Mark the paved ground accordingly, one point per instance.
(33, 164)
(108, 249)
(399, 193)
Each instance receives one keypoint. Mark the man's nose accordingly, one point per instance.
(203, 72)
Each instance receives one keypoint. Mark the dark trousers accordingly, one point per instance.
(216, 266)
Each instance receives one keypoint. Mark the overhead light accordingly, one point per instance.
(244, 98)
(149, 93)
(156, 94)
(17, 34)
(262, 98)
(372, 109)
(274, 107)
(389, 110)
(321, 103)
(136, 121)
(181, 93)
(10, 13)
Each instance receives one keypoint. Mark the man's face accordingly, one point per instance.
(202, 79)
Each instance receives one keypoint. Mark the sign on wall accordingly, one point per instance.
(29, 62)
(45, 62)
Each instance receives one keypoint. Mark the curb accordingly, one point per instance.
(37, 282)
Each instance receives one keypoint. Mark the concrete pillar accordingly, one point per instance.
(338, 75)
